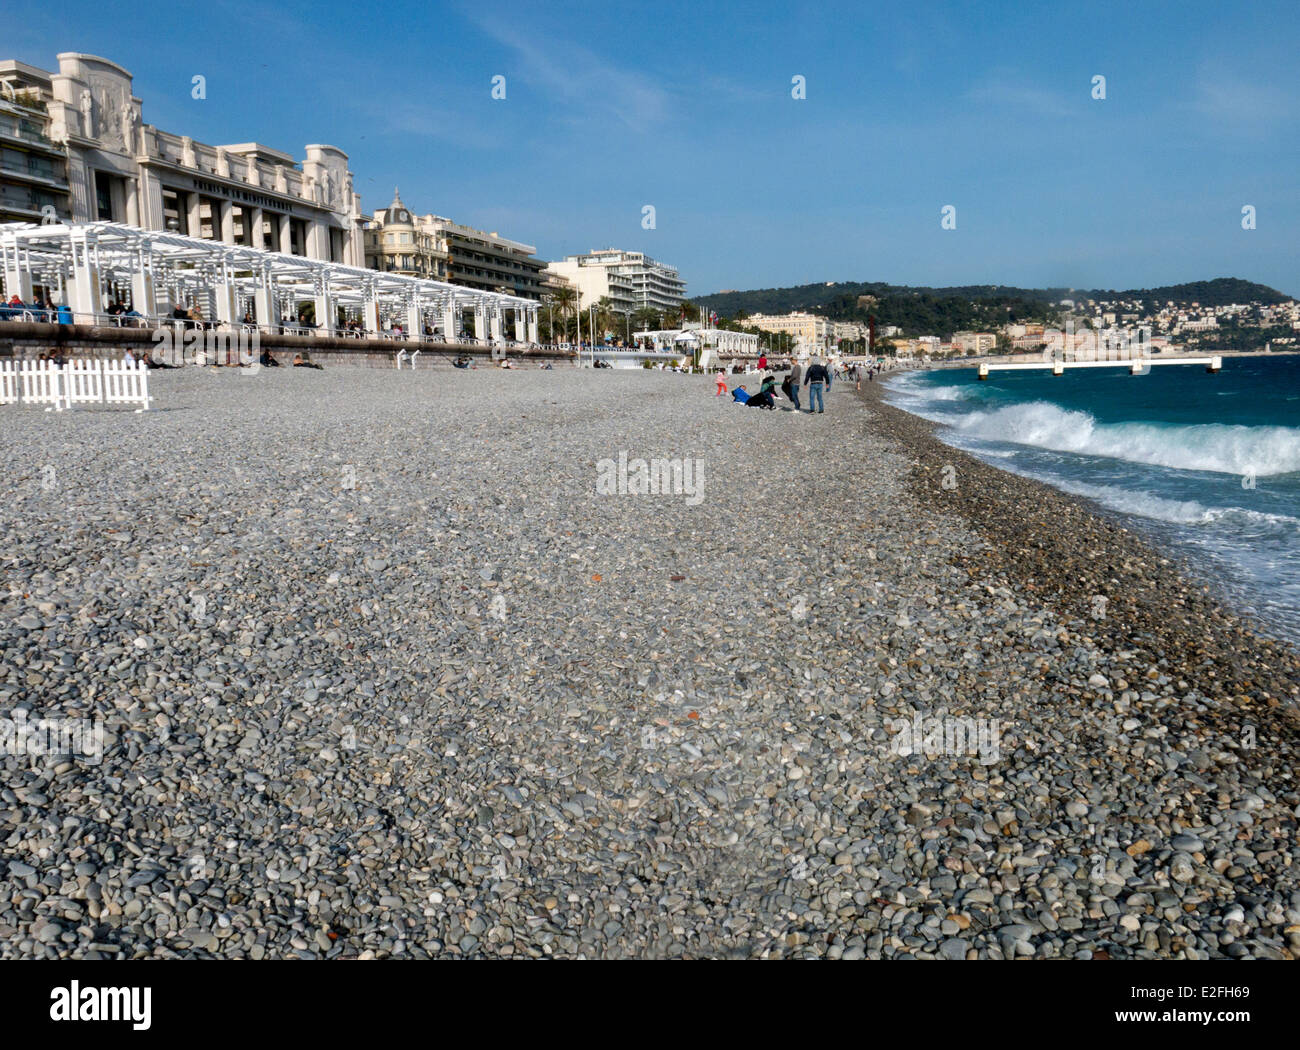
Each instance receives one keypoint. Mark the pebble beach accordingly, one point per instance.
(386, 669)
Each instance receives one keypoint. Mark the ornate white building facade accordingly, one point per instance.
(121, 169)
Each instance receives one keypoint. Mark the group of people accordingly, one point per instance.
(43, 311)
(817, 378)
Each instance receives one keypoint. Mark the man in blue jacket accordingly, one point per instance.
(813, 379)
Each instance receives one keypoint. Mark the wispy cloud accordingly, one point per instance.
(1231, 101)
(421, 121)
(588, 85)
(1003, 88)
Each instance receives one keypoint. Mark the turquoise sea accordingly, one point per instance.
(1207, 465)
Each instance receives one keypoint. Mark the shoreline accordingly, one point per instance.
(1154, 604)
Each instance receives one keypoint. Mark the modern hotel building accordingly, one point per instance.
(631, 280)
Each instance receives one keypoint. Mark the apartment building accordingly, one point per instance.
(974, 342)
(631, 280)
(396, 240)
(33, 168)
(595, 281)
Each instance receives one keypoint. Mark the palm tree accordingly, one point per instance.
(566, 301)
(645, 319)
(604, 315)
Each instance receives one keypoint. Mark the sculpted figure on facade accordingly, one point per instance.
(87, 114)
(129, 125)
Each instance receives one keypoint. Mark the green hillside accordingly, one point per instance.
(921, 310)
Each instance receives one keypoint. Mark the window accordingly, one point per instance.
(104, 196)
(173, 217)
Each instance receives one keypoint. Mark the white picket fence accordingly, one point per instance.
(76, 383)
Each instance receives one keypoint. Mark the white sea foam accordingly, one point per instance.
(1182, 512)
(1216, 447)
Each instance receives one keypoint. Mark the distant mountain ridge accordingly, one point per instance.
(989, 302)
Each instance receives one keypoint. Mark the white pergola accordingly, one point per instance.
(719, 339)
(82, 264)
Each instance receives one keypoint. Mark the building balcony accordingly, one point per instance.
(29, 174)
(16, 133)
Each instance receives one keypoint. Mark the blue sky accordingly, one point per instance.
(687, 106)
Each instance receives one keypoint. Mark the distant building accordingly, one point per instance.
(399, 241)
(848, 331)
(393, 243)
(631, 280)
(810, 330)
(974, 342)
(76, 148)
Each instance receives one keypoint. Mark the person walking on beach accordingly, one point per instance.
(796, 373)
(813, 380)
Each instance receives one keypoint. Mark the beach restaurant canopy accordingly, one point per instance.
(89, 265)
(718, 338)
